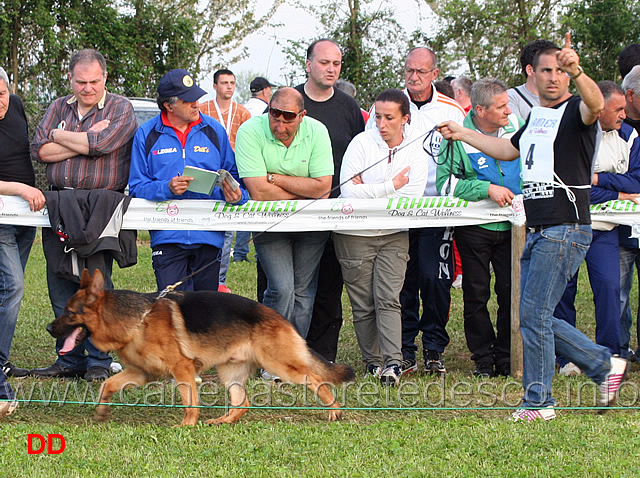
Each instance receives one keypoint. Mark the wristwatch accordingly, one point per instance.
(271, 178)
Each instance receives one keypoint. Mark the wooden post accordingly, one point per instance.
(518, 236)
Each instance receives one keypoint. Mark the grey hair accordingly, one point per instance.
(434, 57)
(4, 76)
(483, 91)
(632, 80)
(172, 100)
(87, 56)
(463, 83)
(346, 86)
(608, 88)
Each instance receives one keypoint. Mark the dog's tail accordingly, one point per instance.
(334, 373)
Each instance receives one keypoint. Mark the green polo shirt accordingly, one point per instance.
(258, 152)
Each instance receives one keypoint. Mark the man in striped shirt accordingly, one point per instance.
(85, 141)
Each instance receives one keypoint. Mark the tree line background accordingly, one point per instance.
(141, 40)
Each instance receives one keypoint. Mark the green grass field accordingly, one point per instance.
(425, 427)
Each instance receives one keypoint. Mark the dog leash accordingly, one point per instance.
(430, 150)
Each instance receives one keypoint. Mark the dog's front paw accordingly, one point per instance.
(335, 415)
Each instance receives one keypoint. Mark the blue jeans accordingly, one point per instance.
(15, 245)
(5, 389)
(241, 251)
(628, 257)
(60, 291)
(551, 257)
(225, 258)
(291, 261)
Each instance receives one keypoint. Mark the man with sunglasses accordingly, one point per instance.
(285, 155)
(342, 116)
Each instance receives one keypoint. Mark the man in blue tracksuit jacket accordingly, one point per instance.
(162, 147)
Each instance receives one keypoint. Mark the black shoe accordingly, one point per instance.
(56, 371)
(483, 369)
(433, 362)
(11, 370)
(96, 374)
(408, 366)
(503, 369)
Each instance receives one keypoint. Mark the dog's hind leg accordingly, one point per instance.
(184, 373)
(130, 377)
(323, 391)
(289, 358)
(234, 377)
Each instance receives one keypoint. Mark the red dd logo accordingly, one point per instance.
(48, 443)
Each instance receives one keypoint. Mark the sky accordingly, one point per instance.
(265, 47)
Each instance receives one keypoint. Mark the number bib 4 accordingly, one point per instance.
(536, 151)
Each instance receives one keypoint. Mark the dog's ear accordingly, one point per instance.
(85, 279)
(96, 287)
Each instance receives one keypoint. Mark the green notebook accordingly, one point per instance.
(205, 180)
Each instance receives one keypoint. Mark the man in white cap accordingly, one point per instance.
(260, 95)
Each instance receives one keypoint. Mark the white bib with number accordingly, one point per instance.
(536, 151)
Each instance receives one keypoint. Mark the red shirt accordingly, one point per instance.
(182, 135)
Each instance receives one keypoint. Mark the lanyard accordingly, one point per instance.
(229, 115)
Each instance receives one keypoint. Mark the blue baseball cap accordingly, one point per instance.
(180, 83)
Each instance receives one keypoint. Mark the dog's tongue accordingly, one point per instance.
(70, 341)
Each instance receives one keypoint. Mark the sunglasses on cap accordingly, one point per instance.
(286, 115)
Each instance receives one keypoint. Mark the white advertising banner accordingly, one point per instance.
(323, 215)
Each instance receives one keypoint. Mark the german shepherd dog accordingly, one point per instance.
(186, 333)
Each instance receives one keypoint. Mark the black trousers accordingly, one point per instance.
(327, 309)
(429, 277)
(478, 248)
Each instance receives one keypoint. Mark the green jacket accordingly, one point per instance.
(469, 172)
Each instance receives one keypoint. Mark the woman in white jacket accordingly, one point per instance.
(374, 262)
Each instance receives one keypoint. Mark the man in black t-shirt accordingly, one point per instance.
(342, 116)
(16, 179)
(556, 145)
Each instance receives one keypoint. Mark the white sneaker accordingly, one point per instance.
(115, 367)
(7, 408)
(390, 376)
(569, 369)
(530, 415)
(609, 388)
(457, 284)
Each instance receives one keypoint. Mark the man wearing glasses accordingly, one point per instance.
(430, 268)
(285, 155)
